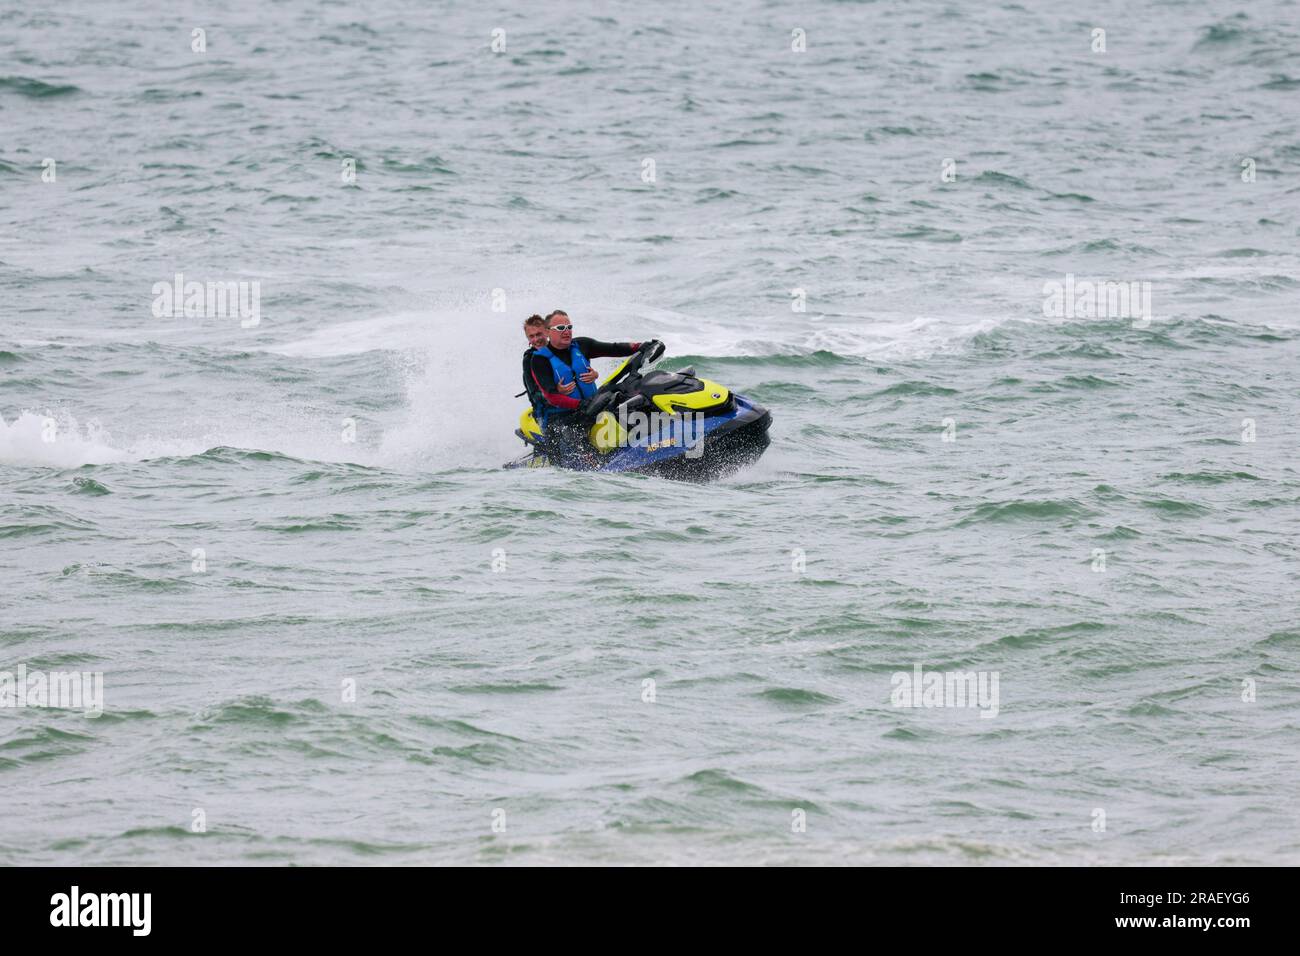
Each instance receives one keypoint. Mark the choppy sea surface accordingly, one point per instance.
(331, 630)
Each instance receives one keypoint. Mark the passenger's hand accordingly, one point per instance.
(566, 387)
(590, 375)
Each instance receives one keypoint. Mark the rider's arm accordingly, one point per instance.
(593, 349)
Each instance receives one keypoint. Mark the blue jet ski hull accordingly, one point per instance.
(690, 450)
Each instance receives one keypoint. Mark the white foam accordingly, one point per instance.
(383, 332)
(460, 372)
(498, 338)
(58, 441)
(460, 408)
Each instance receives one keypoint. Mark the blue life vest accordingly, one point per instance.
(568, 373)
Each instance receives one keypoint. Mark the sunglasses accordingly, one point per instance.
(561, 328)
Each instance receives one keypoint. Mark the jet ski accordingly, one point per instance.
(671, 424)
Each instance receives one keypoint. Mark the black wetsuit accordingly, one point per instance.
(531, 388)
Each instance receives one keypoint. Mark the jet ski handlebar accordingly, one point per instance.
(653, 350)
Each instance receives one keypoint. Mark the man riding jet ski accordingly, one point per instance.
(666, 423)
(563, 377)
